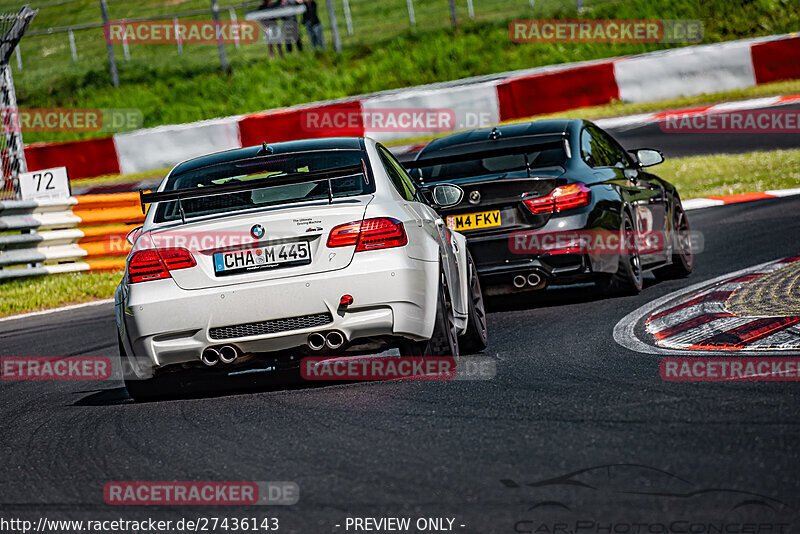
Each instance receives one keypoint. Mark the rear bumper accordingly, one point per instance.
(498, 262)
(393, 295)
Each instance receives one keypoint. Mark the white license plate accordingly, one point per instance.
(256, 259)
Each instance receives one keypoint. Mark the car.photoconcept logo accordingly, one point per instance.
(257, 231)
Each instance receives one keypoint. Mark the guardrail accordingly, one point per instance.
(84, 233)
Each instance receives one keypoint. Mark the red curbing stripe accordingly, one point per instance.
(713, 296)
(331, 120)
(742, 197)
(83, 159)
(776, 60)
(691, 111)
(743, 278)
(564, 89)
(790, 259)
(741, 336)
(694, 322)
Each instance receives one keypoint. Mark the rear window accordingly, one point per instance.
(260, 168)
(549, 156)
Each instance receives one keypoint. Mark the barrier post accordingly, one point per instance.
(112, 61)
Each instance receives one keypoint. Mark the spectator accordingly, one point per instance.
(291, 31)
(272, 32)
(313, 25)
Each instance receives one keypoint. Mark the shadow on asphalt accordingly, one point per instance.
(555, 296)
(201, 386)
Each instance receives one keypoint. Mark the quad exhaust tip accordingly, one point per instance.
(334, 340)
(532, 280)
(210, 357)
(228, 354)
(316, 341)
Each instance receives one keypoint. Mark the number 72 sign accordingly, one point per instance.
(47, 183)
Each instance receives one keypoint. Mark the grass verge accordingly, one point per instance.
(731, 174)
(45, 292)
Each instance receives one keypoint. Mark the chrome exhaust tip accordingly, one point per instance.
(228, 354)
(534, 279)
(519, 281)
(316, 341)
(334, 340)
(210, 357)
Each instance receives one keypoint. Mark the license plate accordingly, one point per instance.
(256, 259)
(472, 221)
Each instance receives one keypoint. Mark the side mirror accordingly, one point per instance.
(133, 235)
(648, 157)
(446, 195)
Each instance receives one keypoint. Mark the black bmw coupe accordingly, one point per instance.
(555, 202)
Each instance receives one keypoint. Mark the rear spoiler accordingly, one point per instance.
(493, 153)
(251, 185)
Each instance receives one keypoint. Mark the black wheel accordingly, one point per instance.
(141, 390)
(682, 253)
(444, 341)
(628, 279)
(476, 338)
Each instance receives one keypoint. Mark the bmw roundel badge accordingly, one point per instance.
(257, 231)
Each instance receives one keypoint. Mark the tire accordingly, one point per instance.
(141, 390)
(628, 280)
(476, 338)
(444, 341)
(683, 255)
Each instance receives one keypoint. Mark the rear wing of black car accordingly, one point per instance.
(252, 185)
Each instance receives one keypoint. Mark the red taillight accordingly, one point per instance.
(152, 264)
(344, 235)
(176, 258)
(370, 234)
(561, 198)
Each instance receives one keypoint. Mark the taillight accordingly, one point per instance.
(561, 198)
(176, 258)
(344, 235)
(152, 264)
(370, 234)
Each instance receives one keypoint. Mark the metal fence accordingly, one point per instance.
(48, 49)
(12, 155)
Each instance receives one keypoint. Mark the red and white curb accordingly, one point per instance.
(708, 202)
(642, 119)
(694, 321)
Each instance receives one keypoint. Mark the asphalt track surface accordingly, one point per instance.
(683, 144)
(565, 397)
